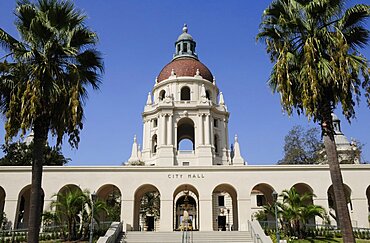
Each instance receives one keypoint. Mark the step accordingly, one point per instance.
(198, 237)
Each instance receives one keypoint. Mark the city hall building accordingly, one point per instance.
(219, 189)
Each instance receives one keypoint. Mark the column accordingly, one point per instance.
(223, 141)
(359, 215)
(169, 133)
(206, 131)
(127, 214)
(200, 129)
(166, 214)
(163, 129)
(211, 131)
(145, 123)
(323, 202)
(10, 209)
(244, 213)
(226, 132)
(205, 211)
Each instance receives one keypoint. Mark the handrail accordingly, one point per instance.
(112, 233)
(258, 235)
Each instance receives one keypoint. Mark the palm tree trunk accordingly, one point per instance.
(344, 220)
(40, 139)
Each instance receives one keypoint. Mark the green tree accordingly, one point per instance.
(20, 154)
(68, 205)
(43, 83)
(302, 146)
(150, 204)
(297, 210)
(73, 208)
(314, 45)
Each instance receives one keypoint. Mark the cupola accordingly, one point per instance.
(185, 45)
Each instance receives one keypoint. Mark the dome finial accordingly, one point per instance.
(185, 28)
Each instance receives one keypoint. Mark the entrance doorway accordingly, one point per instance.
(221, 223)
(185, 208)
(150, 223)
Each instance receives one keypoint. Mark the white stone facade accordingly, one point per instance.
(222, 191)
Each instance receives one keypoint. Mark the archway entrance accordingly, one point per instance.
(261, 195)
(23, 207)
(332, 204)
(368, 201)
(302, 189)
(225, 208)
(186, 208)
(111, 195)
(2, 201)
(147, 208)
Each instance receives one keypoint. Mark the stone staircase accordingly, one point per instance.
(197, 237)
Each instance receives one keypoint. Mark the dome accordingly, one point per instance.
(184, 35)
(185, 67)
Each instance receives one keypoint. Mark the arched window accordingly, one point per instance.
(185, 48)
(216, 145)
(208, 94)
(185, 93)
(154, 144)
(185, 144)
(185, 131)
(162, 95)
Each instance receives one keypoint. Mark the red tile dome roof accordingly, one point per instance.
(185, 67)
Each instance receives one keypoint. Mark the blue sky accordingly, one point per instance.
(137, 40)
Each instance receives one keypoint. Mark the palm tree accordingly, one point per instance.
(68, 206)
(73, 207)
(297, 210)
(43, 85)
(317, 65)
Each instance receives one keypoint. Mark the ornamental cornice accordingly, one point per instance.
(226, 168)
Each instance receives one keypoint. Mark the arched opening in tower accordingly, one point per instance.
(162, 95)
(185, 93)
(154, 144)
(185, 132)
(208, 95)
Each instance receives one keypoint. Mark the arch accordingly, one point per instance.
(154, 144)
(147, 208)
(261, 195)
(185, 93)
(111, 195)
(185, 130)
(303, 188)
(2, 200)
(225, 208)
(162, 94)
(331, 200)
(216, 144)
(23, 207)
(185, 144)
(368, 198)
(68, 188)
(186, 197)
(208, 94)
(264, 190)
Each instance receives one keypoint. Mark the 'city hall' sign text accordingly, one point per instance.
(189, 176)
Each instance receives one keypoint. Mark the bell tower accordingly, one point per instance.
(186, 107)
